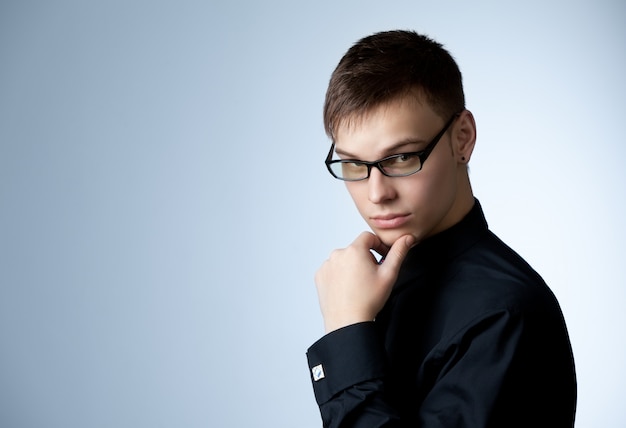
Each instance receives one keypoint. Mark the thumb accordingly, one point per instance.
(396, 254)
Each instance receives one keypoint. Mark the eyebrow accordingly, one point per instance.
(391, 150)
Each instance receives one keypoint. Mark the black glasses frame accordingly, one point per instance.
(422, 155)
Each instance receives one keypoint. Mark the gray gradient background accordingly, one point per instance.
(164, 204)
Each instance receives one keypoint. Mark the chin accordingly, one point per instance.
(390, 236)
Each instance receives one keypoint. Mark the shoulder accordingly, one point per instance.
(491, 277)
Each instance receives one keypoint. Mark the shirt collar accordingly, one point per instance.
(445, 245)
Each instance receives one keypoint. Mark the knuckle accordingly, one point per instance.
(334, 254)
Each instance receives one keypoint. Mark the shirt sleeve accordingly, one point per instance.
(495, 372)
(347, 370)
(471, 372)
(507, 369)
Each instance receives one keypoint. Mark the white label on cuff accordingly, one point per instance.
(318, 372)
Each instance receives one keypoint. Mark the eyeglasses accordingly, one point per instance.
(399, 165)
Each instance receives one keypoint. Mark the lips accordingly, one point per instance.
(389, 221)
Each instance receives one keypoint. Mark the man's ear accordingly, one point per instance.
(464, 136)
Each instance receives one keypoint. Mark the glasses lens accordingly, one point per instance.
(349, 170)
(402, 164)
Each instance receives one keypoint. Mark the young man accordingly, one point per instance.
(451, 328)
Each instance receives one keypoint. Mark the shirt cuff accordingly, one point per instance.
(345, 357)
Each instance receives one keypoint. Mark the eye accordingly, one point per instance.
(350, 167)
(402, 164)
(353, 165)
(404, 157)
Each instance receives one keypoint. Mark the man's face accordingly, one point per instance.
(421, 204)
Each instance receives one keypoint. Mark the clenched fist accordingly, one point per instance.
(352, 286)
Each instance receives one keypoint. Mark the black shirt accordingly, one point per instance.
(471, 336)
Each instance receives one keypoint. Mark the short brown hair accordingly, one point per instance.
(389, 65)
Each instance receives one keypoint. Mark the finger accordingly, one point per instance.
(397, 253)
(365, 239)
(370, 241)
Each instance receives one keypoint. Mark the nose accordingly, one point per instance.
(380, 187)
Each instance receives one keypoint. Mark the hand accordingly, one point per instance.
(352, 286)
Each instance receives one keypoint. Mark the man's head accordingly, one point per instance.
(390, 65)
(399, 93)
